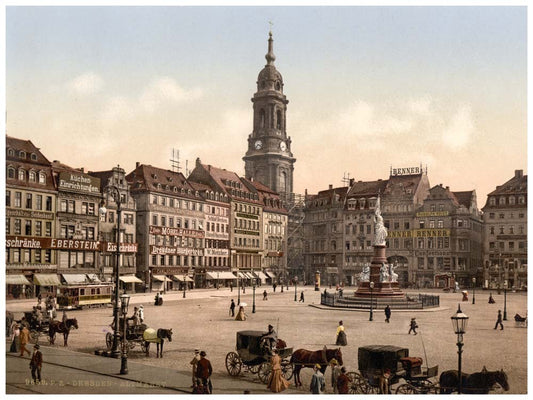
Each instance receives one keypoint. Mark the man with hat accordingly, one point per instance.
(194, 363)
(335, 372)
(413, 326)
(204, 371)
(269, 339)
(36, 363)
(318, 383)
(141, 313)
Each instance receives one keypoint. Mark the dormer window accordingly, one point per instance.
(11, 173)
(42, 178)
(33, 156)
(22, 174)
(33, 176)
(11, 152)
(22, 154)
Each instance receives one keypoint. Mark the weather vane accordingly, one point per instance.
(270, 23)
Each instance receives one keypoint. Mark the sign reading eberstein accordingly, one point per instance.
(22, 242)
(78, 182)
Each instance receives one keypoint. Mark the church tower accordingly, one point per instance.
(269, 159)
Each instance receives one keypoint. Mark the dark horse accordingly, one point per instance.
(476, 383)
(60, 327)
(307, 359)
(152, 336)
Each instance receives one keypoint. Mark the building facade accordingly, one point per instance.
(269, 159)
(505, 234)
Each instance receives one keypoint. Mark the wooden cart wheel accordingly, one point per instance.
(265, 369)
(34, 336)
(287, 370)
(254, 369)
(109, 340)
(358, 383)
(406, 388)
(233, 363)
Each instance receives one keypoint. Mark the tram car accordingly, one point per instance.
(84, 295)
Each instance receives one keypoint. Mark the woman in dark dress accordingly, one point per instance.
(341, 335)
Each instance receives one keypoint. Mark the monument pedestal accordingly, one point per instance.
(381, 289)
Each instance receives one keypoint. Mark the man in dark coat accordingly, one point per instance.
(232, 308)
(343, 382)
(387, 313)
(499, 320)
(413, 326)
(204, 371)
(36, 364)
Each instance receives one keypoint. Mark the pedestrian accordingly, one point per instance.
(335, 373)
(341, 335)
(15, 340)
(232, 308)
(499, 321)
(64, 317)
(343, 382)
(24, 339)
(413, 326)
(387, 314)
(265, 295)
(204, 371)
(36, 364)
(318, 384)
(276, 382)
(491, 299)
(194, 363)
(274, 287)
(39, 300)
(384, 386)
(241, 316)
(141, 313)
(231, 286)
(302, 296)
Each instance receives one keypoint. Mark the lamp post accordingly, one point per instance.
(253, 290)
(184, 284)
(115, 193)
(124, 302)
(238, 289)
(505, 300)
(295, 290)
(371, 300)
(217, 280)
(459, 322)
(474, 290)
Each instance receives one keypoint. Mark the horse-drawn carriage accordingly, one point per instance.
(255, 357)
(37, 326)
(134, 335)
(381, 366)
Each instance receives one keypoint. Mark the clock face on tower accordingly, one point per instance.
(283, 146)
(258, 144)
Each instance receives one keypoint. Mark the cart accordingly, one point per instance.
(37, 328)
(134, 335)
(252, 356)
(381, 366)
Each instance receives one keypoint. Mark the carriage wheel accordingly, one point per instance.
(109, 340)
(287, 370)
(233, 363)
(358, 383)
(34, 336)
(265, 369)
(254, 369)
(406, 388)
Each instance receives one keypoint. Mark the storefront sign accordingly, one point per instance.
(432, 214)
(79, 183)
(166, 231)
(216, 252)
(51, 243)
(111, 247)
(180, 251)
(432, 233)
(406, 171)
(29, 214)
(216, 218)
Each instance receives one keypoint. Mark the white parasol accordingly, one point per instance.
(243, 304)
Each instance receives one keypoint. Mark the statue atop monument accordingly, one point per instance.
(379, 228)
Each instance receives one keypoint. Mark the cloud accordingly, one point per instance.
(86, 84)
(165, 90)
(460, 129)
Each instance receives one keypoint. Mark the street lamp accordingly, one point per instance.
(238, 289)
(459, 322)
(505, 300)
(295, 285)
(474, 290)
(371, 300)
(124, 302)
(184, 284)
(217, 279)
(103, 211)
(253, 289)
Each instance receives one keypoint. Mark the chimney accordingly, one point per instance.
(448, 188)
(137, 164)
(330, 187)
(352, 180)
(518, 173)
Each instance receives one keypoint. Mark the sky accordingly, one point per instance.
(369, 88)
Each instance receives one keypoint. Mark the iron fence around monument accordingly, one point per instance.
(416, 301)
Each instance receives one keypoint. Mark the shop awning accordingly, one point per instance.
(260, 275)
(73, 279)
(130, 279)
(46, 280)
(241, 275)
(212, 275)
(179, 278)
(17, 280)
(249, 275)
(161, 278)
(94, 278)
(270, 274)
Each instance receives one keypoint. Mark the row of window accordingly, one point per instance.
(69, 206)
(502, 200)
(31, 227)
(510, 246)
(246, 242)
(14, 256)
(186, 261)
(511, 230)
(31, 201)
(176, 241)
(178, 222)
(216, 261)
(177, 203)
(21, 154)
(246, 208)
(502, 215)
(23, 175)
(242, 223)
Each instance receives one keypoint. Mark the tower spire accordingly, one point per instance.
(270, 57)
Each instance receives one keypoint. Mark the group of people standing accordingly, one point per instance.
(201, 373)
(340, 381)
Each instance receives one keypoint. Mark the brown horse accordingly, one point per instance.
(476, 383)
(302, 358)
(60, 327)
